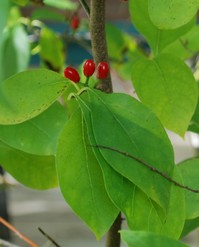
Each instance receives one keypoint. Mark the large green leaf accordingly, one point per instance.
(37, 172)
(80, 177)
(167, 86)
(27, 94)
(118, 187)
(146, 239)
(172, 14)
(122, 123)
(38, 135)
(190, 174)
(148, 216)
(16, 51)
(140, 211)
(157, 38)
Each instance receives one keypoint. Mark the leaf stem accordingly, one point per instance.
(85, 6)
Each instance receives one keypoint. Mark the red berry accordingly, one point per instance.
(102, 70)
(89, 68)
(75, 21)
(72, 74)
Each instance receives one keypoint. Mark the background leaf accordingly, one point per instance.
(172, 14)
(37, 172)
(167, 86)
(4, 13)
(146, 239)
(61, 4)
(157, 38)
(39, 135)
(115, 41)
(187, 45)
(194, 124)
(190, 173)
(21, 2)
(27, 94)
(51, 49)
(47, 14)
(16, 51)
(80, 178)
(189, 226)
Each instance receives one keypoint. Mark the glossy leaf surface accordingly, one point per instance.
(141, 212)
(114, 119)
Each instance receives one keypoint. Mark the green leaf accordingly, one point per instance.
(80, 177)
(118, 187)
(61, 4)
(157, 38)
(190, 174)
(21, 2)
(4, 13)
(37, 172)
(189, 226)
(51, 48)
(115, 41)
(27, 94)
(47, 14)
(172, 14)
(141, 212)
(148, 216)
(146, 239)
(187, 45)
(16, 51)
(36, 136)
(122, 123)
(194, 124)
(167, 86)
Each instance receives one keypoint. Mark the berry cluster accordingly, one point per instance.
(102, 71)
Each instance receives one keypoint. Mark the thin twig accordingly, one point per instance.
(164, 175)
(20, 235)
(4, 243)
(48, 237)
(85, 6)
